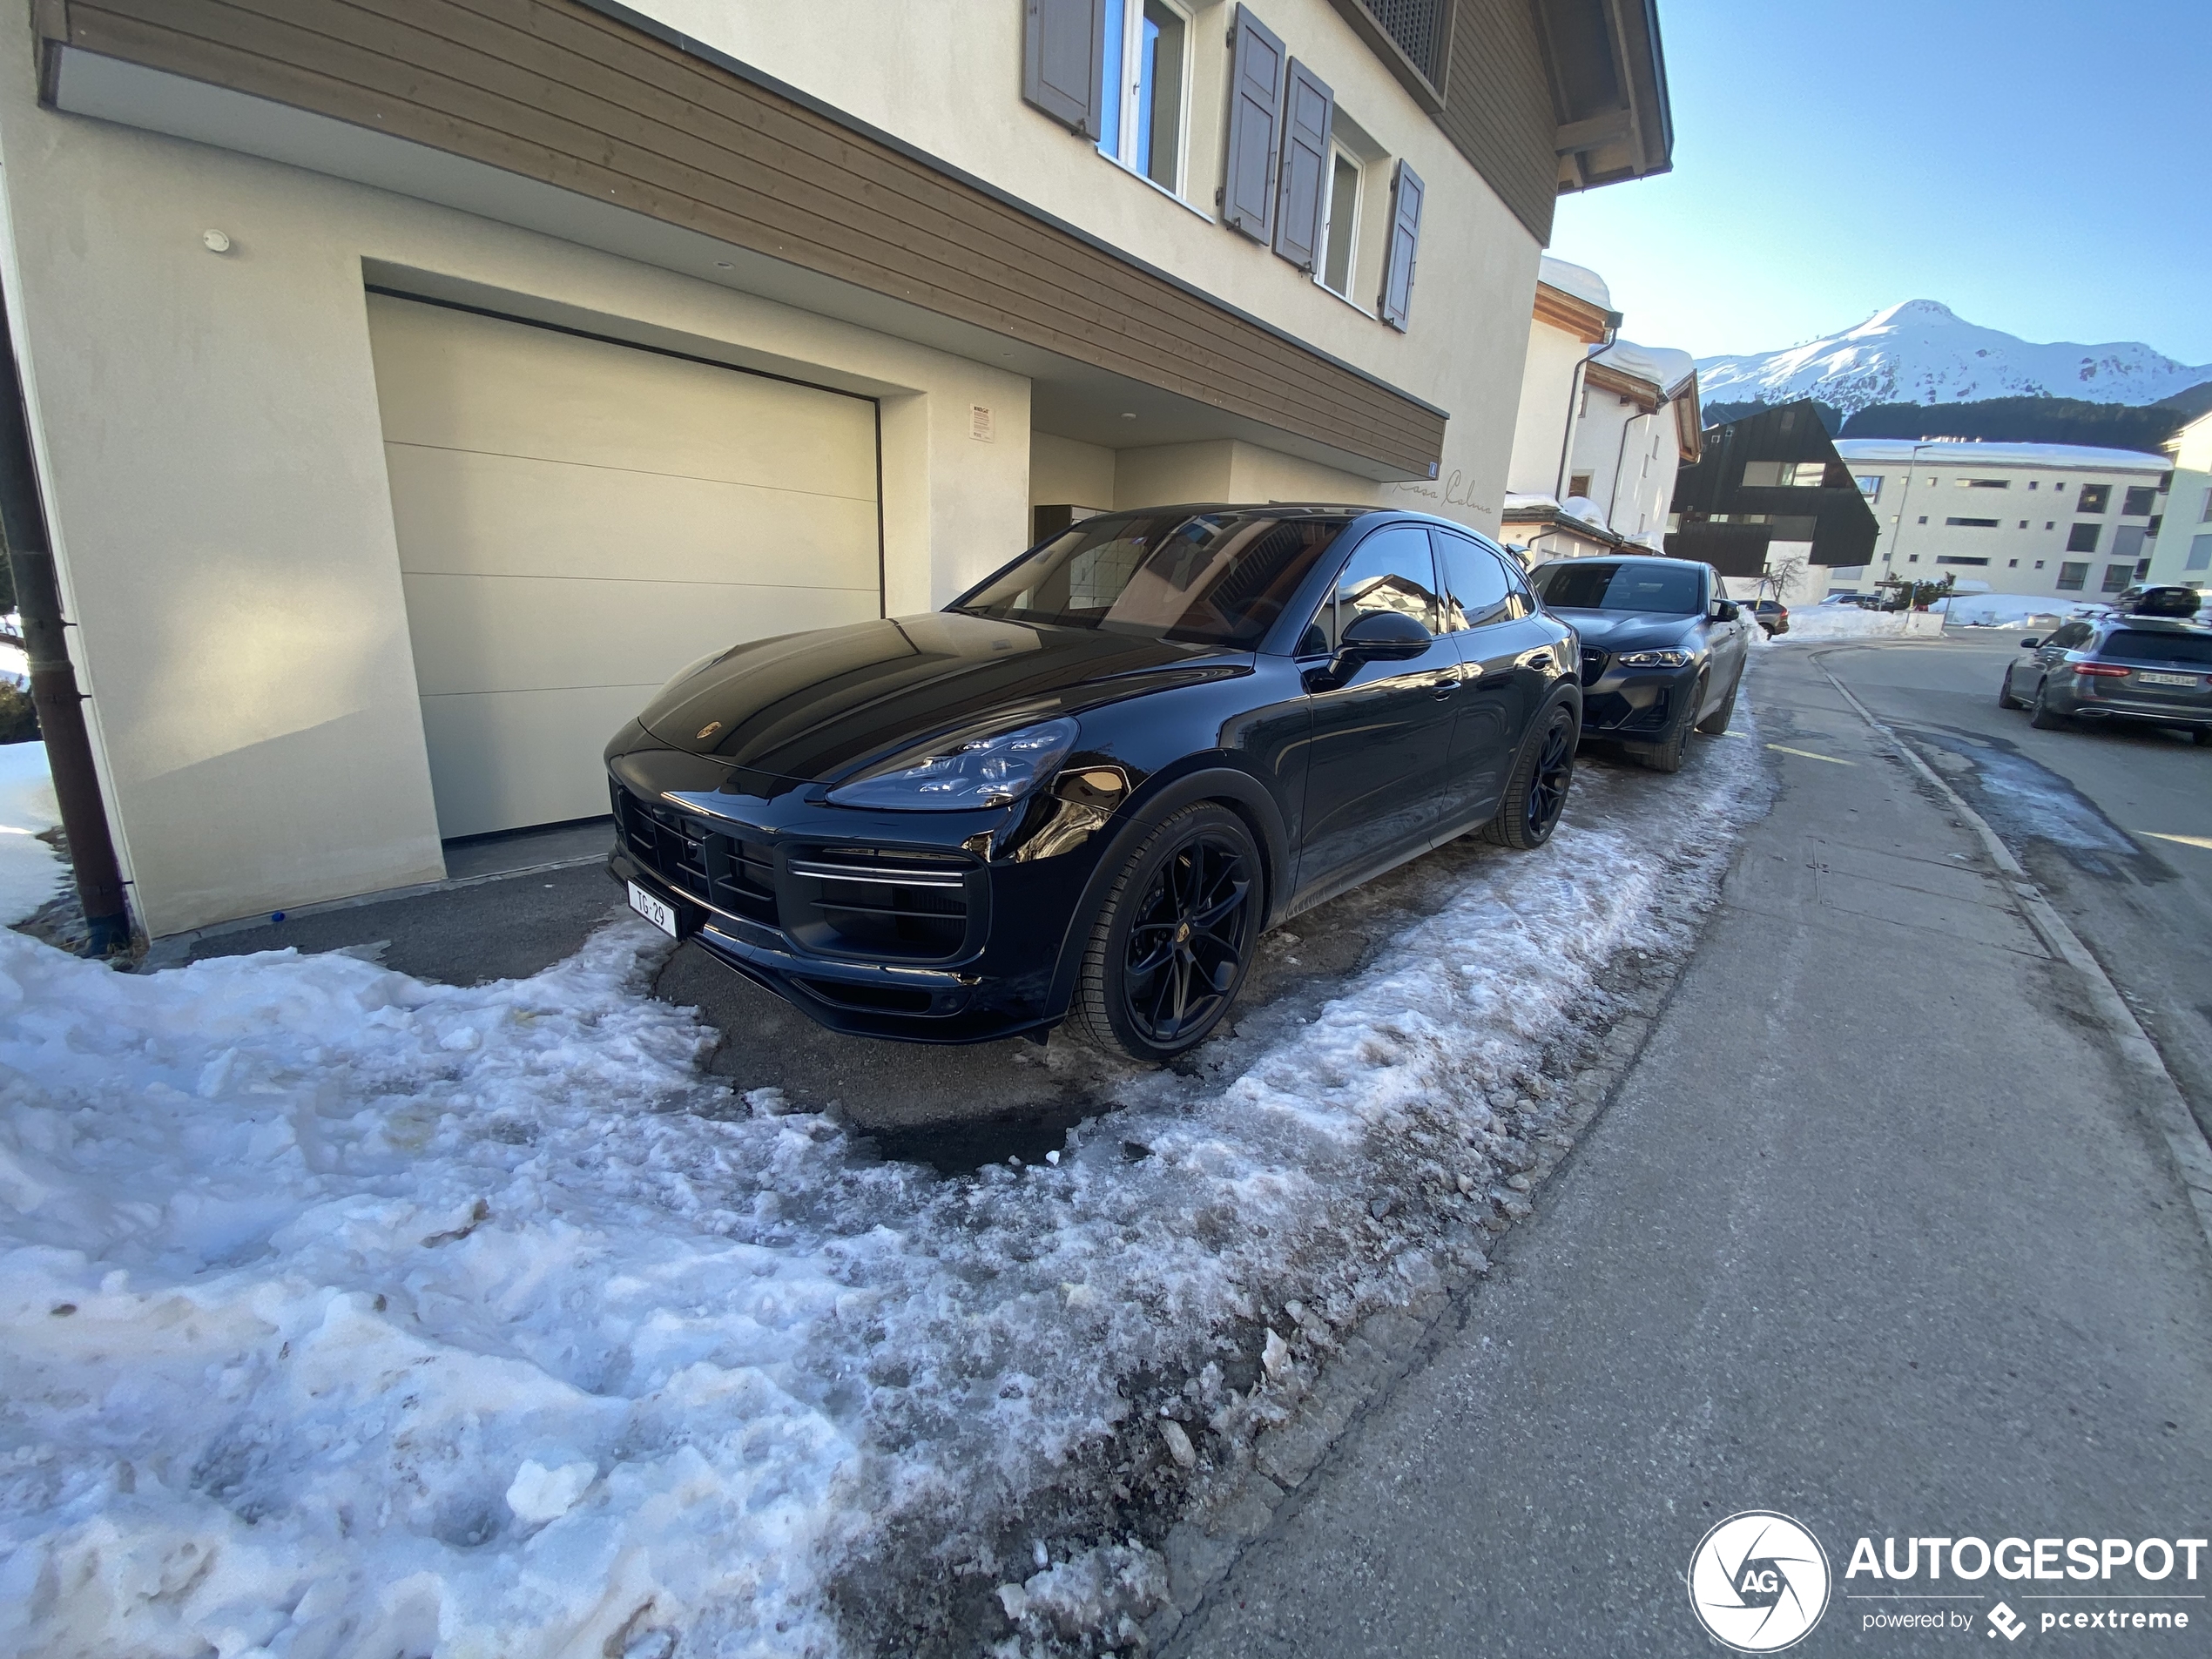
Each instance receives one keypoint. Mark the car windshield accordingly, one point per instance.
(1216, 578)
(2142, 645)
(1605, 584)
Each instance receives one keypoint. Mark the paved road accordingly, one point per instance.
(1870, 1235)
(2091, 811)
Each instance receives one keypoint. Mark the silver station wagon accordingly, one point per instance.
(2127, 667)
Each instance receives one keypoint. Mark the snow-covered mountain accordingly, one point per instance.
(1923, 352)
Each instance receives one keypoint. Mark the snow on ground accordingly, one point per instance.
(345, 1314)
(2004, 609)
(1819, 625)
(31, 873)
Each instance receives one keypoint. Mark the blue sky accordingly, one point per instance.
(2041, 168)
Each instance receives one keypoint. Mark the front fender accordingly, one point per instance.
(1158, 799)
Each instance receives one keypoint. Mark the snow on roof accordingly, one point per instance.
(1663, 366)
(1579, 280)
(1997, 454)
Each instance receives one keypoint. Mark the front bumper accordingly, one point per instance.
(1632, 705)
(920, 927)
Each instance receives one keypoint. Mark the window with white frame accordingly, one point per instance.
(1144, 114)
(1340, 222)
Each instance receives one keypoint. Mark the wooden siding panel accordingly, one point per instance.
(778, 166)
(552, 91)
(1498, 107)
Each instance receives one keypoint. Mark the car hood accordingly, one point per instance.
(1619, 631)
(812, 706)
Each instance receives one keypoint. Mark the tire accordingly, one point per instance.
(1716, 723)
(1666, 755)
(2005, 697)
(2042, 715)
(1201, 862)
(1536, 788)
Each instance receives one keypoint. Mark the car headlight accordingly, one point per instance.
(1654, 658)
(964, 774)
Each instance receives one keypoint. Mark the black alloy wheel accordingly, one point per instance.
(1174, 939)
(2041, 714)
(1716, 724)
(2005, 697)
(1536, 789)
(1666, 755)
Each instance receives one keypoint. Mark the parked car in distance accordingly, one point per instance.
(1082, 791)
(1771, 614)
(1662, 650)
(2149, 669)
(2170, 599)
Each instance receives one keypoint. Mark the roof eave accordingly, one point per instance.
(1629, 131)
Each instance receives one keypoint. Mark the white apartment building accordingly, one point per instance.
(413, 388)
(2047, 520)
(1602, 426)
(2181, 551)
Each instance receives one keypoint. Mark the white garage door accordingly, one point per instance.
(578, 519)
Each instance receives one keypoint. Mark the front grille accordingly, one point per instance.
(878, 901)
(731, 875)
(1594, 663)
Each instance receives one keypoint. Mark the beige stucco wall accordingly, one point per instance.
(1631, 457)
(213, 460)
(1539, 415)
(2187, 518)
(1477, 268)
(1225, 470)
(1064, 473)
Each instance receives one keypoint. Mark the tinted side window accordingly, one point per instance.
(2072, 637)
(2140, 645)
(1391, 571)
(1475, 590)
(1524, 603)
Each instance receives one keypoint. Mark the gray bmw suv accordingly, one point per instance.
(2152, 669)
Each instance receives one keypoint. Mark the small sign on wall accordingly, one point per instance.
(979, 423)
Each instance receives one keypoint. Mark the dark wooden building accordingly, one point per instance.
(1773, 476)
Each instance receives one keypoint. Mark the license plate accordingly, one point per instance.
(2164, 680)
(659, 912)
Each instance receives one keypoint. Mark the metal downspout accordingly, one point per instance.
(53, 677)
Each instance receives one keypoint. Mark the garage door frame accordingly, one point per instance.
(390, 292)
(874, 404)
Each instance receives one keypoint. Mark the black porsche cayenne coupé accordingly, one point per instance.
(1081, 791)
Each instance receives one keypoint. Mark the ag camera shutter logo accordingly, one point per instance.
(1759, 1581)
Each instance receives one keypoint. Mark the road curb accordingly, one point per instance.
(2161, 1096)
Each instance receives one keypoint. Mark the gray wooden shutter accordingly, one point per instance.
(1061, 41)
(1255, 102)
(1397, 297)
(1308, 109)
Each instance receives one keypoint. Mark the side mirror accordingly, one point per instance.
(1723, 610)
(2030, 642)
(1385, 635)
